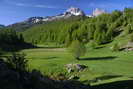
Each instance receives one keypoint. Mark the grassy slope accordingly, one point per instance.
(101, 63)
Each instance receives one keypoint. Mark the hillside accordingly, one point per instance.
(102, 29)
(33, 21)
(51, 31)
(12, 41)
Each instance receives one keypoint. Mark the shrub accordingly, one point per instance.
(115, 47)
(131, 38)
(0, 51)
(93, 44)
(77, 49)
(17, 62)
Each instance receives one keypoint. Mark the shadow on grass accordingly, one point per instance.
(44, 58)
(99, 58)
(99, 47)
(106, 77)
(128, 84)
(50, 57)
(47, 47)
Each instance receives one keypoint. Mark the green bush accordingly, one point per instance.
(17, 62)
(115, 47)
(77, 49)
(131, 38)
(93, 44)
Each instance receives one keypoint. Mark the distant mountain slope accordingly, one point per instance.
(98, 12)
(21, 26)
(32, 21)
(2, 26)
(101, 29)
(51, 30)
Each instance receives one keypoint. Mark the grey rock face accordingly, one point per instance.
(98, 12)
(75, 67)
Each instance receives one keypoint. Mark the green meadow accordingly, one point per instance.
(102, 63)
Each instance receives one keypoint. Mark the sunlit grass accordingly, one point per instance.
(100, 62)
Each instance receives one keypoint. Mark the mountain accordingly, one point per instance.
(102, 29)
(72, 11)
(2, 26)
(98, 12)
(32, 21)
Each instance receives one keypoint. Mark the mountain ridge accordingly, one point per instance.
(32, 21)
(2, 26)
(72, 11)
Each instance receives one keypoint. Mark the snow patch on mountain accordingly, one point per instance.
(72, 11)
(98, 12)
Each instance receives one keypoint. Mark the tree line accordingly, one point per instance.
(101, 29)
(10, 40)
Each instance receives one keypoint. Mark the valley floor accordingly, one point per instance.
(103, 64)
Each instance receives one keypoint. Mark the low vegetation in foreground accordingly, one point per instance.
(101, 67)
(15, 74)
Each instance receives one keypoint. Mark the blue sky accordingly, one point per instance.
(12, 11)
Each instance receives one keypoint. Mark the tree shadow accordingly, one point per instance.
(106, 77)
(40, 47)
(48, 47)
(127, 84)
(99, 47)
(51, 57)
(44, 58)
(16, 47)
(99, 58)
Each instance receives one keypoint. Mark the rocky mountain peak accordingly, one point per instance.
(98, 12)
(74, 11)
(34, 19)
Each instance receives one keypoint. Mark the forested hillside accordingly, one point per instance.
(10, 40)
(101, 29)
